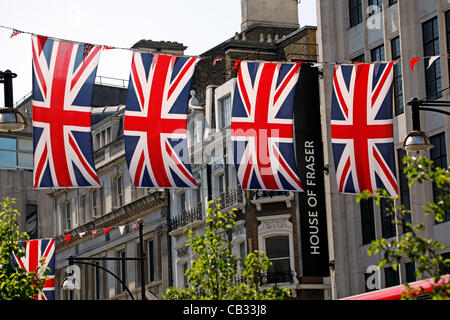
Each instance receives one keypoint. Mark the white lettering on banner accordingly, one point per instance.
(313, 221)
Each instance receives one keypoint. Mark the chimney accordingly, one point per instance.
(270, 13)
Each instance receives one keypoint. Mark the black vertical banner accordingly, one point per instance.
(309, 152)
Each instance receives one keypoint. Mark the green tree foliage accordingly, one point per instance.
(425, 253)
(214, 274)
(15, 283)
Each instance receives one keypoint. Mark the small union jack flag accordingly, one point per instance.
(262, 126)
(35, 252)
(156, 119)
(63, 81)
(362, 128)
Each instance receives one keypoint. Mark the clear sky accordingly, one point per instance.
(198, 24)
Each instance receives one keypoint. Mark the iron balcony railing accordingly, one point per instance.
(187, 216)
(229, 198)
(271, 194)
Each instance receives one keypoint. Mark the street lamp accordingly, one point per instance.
(417, 140)
(11, 119)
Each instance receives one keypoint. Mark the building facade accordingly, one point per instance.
(266, 221)
(385, 30)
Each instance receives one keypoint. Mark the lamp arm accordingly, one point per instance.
(434, 110)
(106, 270)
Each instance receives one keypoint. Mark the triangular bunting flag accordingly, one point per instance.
(68, 237)
(81, 234)
(87, 48)
(216, 60)
(236, 64)
(121, 229)
(134, 226)
(107, 229)
(93, 233)
(108, 47)
(413, 63)
(15, 33)
(432, 60)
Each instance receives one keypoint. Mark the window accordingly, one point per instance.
(433, 82)
(387, 221)
(31, 221)
(403, 185)
(410, 272)
(446, 256)
(185, 280)
(359, 58)
(121, 271)
(277, 250)
(355, 7)
(151, 261)
(183, 202)
(377, 54)
(68, 216)
(398, 83)
(367, 221)
(391, 277)
(120, 191)
(221, 179)
(94, 203)
(8, 147)
(225, 112)
(83, 218)
(438, 155)
(392, 2)
(242, 253)
(378, 3)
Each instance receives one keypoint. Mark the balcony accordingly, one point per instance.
(186, 217)
(263, 197)
(234, 198)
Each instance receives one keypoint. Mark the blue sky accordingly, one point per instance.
(198, 24)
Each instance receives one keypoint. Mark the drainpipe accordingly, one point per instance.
(169, 238)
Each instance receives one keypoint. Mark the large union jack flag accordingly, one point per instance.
(262, 126)
(155, 134)
(362, 128)
(63, 81)
(37, 251)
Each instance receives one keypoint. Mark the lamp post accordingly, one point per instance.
(11, 119)
(417, 140)
(68, 283)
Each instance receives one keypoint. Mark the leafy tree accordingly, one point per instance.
(412, 247)
(214, 272)
(15, 282)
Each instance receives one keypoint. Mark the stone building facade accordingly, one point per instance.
(368, 31)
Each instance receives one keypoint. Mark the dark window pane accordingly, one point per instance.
(391, 277)
(367, 221)
(387, 221)
(410, 272)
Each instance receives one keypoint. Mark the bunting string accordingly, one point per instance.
(215, 60)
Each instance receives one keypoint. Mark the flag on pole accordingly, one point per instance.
(155, 122)
(35, 252)
(362, 128)
(63, 81)
(262, 126)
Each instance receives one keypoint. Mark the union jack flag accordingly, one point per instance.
(63, 81)
(262, 126)
(156, 119)
(362, 128)
(35, 252)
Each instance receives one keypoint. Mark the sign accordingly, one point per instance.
(309, 152)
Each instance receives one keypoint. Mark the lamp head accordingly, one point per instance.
(11, 120)
(417, 141)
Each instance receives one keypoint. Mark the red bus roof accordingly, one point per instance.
(395, 293)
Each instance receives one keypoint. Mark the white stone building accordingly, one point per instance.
(378, 30)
